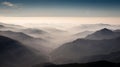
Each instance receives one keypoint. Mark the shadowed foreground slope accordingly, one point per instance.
(91, 64)
(14, 54)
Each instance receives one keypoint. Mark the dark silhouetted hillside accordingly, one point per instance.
(15, 54)
(73, 52)
(36, 43)
(90, 64)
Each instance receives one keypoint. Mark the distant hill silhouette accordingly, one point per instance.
(5, 27)
(34, 31)
(2, 26)
(37, 33)
(82, 34)
(93, 27)
(103, 34)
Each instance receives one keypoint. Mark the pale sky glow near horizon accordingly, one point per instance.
(81, 20)
(59, 21)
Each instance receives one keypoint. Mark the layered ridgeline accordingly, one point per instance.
(93, 27)
(19, 49)
(5, 27)
(100, 47)
(31, 37)
(81, 34)
(15, 54)
(37, 43)
(45, 39)
(103, 34)
(26, 47)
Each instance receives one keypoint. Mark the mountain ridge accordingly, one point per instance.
(103, 34)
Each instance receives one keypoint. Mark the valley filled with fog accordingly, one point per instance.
(26, 45)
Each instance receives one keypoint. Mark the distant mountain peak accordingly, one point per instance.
(103, 34)
(105, 30)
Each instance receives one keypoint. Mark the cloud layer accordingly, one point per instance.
(9, 4)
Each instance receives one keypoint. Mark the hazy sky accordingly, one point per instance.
(60, 8)
(60, 12)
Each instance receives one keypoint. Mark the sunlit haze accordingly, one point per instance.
(65, 22)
